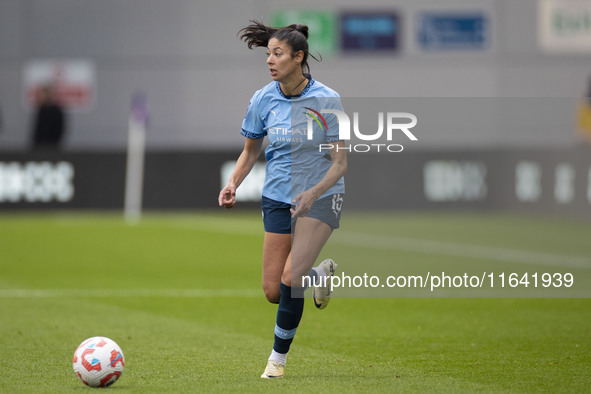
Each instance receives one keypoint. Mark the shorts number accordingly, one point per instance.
(337, 204)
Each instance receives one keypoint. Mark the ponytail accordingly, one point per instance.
(257, 34)
(296, 36)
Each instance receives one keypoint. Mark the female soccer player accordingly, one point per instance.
(304, 186)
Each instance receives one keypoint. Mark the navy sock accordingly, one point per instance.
(289, 314)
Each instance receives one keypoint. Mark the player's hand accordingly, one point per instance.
(303, 203)
(227, 196)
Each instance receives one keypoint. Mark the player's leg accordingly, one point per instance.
(328, 211)
(276, 248)
(310, 235)
(289, 314)
(309, 238)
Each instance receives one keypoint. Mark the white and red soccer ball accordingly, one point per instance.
(98, 362)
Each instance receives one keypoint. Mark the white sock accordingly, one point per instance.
(279, 357)
(319, 271)
(315, 277)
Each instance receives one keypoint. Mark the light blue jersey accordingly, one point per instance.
(294, 161)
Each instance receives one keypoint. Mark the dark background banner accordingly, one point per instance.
(553, 181)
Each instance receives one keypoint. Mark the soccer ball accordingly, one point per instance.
(98, 362)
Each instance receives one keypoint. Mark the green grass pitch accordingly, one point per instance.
(180, 293)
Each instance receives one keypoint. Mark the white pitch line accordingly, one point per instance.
(121, 293)
(459, 250)
(251, 293)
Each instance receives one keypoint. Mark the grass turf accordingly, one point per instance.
(180, 294)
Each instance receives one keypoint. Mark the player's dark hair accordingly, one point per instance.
(296, 36)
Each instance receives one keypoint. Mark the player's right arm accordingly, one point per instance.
(246, 160)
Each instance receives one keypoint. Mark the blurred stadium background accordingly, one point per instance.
(499, 180)
(185, 57)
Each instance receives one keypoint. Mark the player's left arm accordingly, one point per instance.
(336, 171)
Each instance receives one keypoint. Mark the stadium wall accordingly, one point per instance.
(199, 77)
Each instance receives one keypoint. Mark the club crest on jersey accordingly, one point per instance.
(314, 115)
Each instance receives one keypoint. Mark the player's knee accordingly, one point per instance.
(273, 294)
(286, 278)
(273, 298)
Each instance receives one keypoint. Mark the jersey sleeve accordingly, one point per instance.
(252, 125)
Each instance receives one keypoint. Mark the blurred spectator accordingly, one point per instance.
(49, 123)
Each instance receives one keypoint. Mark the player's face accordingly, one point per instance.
(283, 63)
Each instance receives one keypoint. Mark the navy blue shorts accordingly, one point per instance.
(277, 215)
